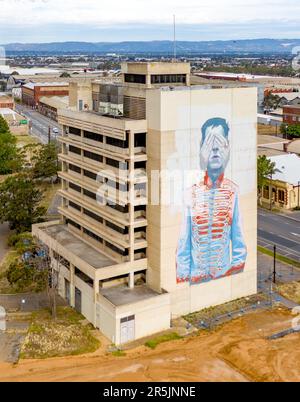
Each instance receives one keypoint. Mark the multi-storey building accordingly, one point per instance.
(114, 249)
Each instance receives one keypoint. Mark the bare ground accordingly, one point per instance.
(237, 351)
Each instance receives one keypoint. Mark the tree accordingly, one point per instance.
(271, 101)
(291, 130)
(46, 162)
(20, 203)
(265, 168)
(4, 128)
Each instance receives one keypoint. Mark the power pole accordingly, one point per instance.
(274, 270)
(49, 135)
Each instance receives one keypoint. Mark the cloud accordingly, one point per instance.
(120, 15)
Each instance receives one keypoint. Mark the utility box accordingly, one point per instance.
(2, 319)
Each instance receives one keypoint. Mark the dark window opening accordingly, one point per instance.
(81, 275)
(74, 168)
(168, 79)
(120, 208)
(116, 249)
(90, 194)
(117, 164)
(93, 216)
(92, 155)
(93, 136)
(117, 143)
(75, 206)
(74, 150)
(75, 187)
(72, 223)
(89, 174)
(140, 140)
(140, 165)
(75, 131)
(117, 228)
(93, 235)
(135, 78)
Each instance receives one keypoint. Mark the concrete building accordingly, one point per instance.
(32, 92)
(114, 248)
(283, 191)
(49, 105)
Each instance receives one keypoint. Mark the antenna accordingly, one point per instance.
(174, 22)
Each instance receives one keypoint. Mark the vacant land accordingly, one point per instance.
(290, 290)
(236, 351)
(60, 337)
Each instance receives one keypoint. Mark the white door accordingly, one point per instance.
(127, 329)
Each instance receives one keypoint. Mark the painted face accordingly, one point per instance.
(214, 153)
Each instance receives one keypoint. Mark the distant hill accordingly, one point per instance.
(239, 46)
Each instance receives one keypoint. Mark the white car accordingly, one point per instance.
(55, 130)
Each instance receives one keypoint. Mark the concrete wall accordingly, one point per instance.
(151, 316)
(174, 132)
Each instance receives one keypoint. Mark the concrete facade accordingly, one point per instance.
(116, 260)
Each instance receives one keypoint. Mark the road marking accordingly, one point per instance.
(295, 234)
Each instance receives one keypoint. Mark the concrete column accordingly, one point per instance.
(131, 280)
(131, 196)
(72, 285)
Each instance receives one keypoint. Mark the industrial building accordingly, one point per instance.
(114, 248)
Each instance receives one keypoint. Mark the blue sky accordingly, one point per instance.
(98, 20)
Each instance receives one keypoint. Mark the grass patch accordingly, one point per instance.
(290, 291)
(212, 312)
(279, 257)
(65, 336)
(118, 353)
(23, 140)
(153, 343)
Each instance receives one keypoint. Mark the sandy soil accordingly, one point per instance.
(237, 351)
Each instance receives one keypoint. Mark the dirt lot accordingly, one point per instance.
(237, 351)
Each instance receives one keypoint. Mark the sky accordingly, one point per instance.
(34, 21)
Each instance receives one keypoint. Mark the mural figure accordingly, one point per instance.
(211, 244)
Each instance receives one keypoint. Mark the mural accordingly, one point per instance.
(211, 244)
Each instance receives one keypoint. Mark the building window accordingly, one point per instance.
(168, 79)
(92, 155)
(116, 249)
(266, 192)
(90, 194)
(140, 140)
(75, 187)
(117, 228)
(75, 206)
(93, 216)
(89, 174)
(81, 275)
(75, 131)
(93, 136)
(117, 143)
(119, 208)
(74, 224)
(117, 164)
(80, 105)
(74, 168)
(281, 196)
(92, 235)
(135, 78)
(74, 150)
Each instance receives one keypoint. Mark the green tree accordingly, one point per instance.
(20, 203)
(4, 128)
(265, 168)
(271, 101)
(46, 162)
(291, 130)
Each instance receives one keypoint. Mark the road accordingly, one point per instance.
(40, 123)
(282, 231)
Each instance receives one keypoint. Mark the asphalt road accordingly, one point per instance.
(40, 124)
(284, 232)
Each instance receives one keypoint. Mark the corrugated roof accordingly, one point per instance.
(289, 168)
